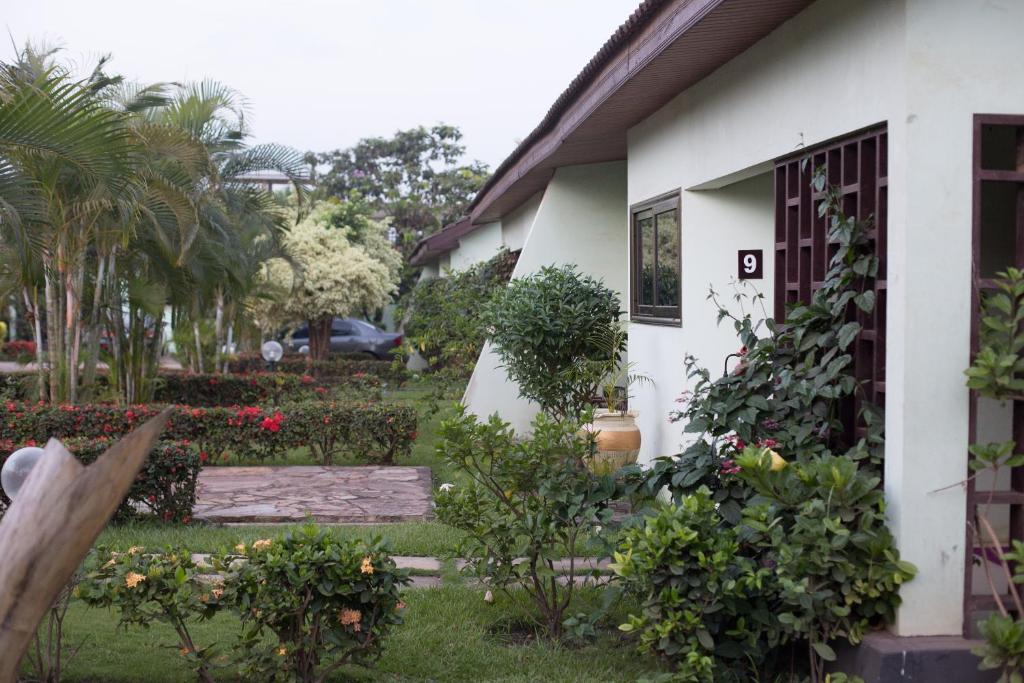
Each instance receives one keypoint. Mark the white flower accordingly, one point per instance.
(446, 487)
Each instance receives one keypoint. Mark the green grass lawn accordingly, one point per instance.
(406, 538)
(450, 634)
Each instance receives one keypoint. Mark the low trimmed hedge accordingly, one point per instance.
(236, 390)
(165, 487)
(373, 432)
(385, 370)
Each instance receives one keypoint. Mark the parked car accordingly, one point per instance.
(349, 335)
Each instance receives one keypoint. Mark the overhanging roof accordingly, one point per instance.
(663, 48)
(441, 242)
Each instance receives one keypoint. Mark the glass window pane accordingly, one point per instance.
(668, 259)
(645, 233)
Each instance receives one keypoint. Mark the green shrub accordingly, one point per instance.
(550, 331)
(165, 488)
(525, 504)
(154, 587)
(702, 602)
(331, 370)
(233, 390)
(311, 602)
(373, 432)
(443, 322)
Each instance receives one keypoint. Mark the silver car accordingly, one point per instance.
(349, 335)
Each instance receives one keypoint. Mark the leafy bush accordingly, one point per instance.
(334, 368)
(325, 601)
(550, 331)
(232, 390)
(375, 432)
(154, 587)
(701, 599)
(526, 503)
(165, 487)
(443, 321)
(812, 562)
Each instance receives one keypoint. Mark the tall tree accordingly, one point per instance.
(415, 177)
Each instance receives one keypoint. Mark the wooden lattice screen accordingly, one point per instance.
(998, 243)
(858, 166)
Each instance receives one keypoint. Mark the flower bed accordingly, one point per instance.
(165, 487)
(18, 349)
(328, 370)
(373, 432)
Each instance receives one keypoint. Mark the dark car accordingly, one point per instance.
(349, 335)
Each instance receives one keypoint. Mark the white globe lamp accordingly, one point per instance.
(272, 352)
(17, 467)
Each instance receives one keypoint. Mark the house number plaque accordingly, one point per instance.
(751, 264)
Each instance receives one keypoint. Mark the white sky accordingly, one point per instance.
(321, 74)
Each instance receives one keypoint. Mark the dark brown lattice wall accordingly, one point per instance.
(858, 165)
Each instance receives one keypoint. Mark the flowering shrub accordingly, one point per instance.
(311, 603)
(18, 349)
(154, 587)
(334, 370)
(376, 432)
(165, 488)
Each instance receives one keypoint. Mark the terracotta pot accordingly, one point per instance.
(618, 440)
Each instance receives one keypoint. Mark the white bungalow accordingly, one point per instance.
(686, 124)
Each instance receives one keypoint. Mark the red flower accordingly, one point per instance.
(307, 379)
(270, 424)
(413, 436)
(203, 457)
(151, 498)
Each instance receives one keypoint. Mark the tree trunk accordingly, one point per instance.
(92, 339)
(319, 338)
(53, 333)
(32, 309)
(218, 330)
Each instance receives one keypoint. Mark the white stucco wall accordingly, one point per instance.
(581, 219)
(479, 245)
(515, 227)
(924, 67)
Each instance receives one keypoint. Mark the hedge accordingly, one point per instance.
(386, 370)
(374, 432)
(251, 389)
(165, 487)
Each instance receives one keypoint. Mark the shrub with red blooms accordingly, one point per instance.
(17, 349)
(165, 488)
(335, 370)
(373, 432)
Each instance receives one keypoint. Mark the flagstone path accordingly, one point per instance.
(338, 495)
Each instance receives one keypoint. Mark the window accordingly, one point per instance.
(342, 328)
(655, 262)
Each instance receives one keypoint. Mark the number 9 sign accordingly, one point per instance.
(751, 264)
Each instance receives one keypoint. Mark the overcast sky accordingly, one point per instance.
(320, 74)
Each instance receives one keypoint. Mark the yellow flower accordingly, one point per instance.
(184, 651)
(350, 617)
(282, 651)
(240, 547)
(131, 579)
(367, 567)
(217, 592)
(110, 563)
(778, 462)
(204, 597)
(261, 544)
(135, 549)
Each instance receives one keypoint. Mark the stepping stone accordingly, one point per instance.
(427, 564)
(290, 494)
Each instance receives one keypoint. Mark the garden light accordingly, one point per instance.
(15, 471)
(271, 352)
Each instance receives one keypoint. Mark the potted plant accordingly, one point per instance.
(616, 435)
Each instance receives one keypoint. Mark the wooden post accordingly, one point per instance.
(50, 526)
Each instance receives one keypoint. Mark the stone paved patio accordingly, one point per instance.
(350, 495)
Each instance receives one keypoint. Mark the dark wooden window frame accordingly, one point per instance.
(659, 315)
(1014, 497)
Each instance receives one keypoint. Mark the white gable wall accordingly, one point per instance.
(515, 227)
(581, 219)
(479, 245)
